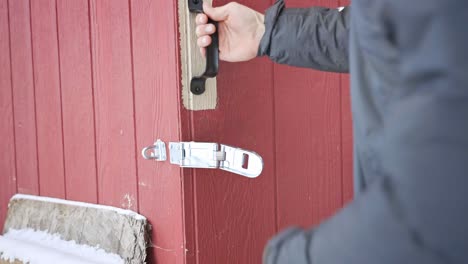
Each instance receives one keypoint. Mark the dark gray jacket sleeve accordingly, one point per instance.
(314, 37)
(416, 210)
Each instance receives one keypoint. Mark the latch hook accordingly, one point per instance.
(155, 152)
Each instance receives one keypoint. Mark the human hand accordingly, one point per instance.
(240, 31)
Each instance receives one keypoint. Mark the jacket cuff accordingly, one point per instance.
(272, 250)
(271, 16)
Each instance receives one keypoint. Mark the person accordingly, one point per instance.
(409, 87)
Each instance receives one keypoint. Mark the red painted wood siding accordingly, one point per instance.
(24, 103)
(77, 100)
(48, 98)
(85, 84)
(7, 134)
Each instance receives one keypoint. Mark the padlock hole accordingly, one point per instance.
(245, 161)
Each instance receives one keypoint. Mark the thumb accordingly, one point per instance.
(216, 13)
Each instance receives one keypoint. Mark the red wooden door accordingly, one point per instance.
(299, 121)
(85, 84)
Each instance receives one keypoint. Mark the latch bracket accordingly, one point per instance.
(194, 154)
(216, 156)
(207, 156)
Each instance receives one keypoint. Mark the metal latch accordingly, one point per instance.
(209, 156)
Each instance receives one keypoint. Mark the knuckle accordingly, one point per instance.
(206, 41)
(200, 19)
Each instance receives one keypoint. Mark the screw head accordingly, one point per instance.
(198, 89)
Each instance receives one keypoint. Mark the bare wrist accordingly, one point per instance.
(260, 29)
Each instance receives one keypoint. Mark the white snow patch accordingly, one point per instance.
(96, 206)
(37, 247)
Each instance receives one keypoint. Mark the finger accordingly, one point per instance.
(201, 19)
(216, 13)
(204, 41)
(203, 30)
(203, 52)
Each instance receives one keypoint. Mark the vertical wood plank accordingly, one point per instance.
(347, 133)
(48, 98)
(77, 100)
(7, 138)
(113, 95)
(234, 216)
(156, 83)
(347, 139)
(308, 136)
(23, 97)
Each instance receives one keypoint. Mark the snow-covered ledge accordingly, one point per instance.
(114, 230)
(37, 247)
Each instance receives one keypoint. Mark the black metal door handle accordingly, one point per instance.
(197, 84)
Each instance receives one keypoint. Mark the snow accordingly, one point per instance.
(96, 206)
(37, 247)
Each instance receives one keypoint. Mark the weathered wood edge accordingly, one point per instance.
(124, 235)
(193, 63)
